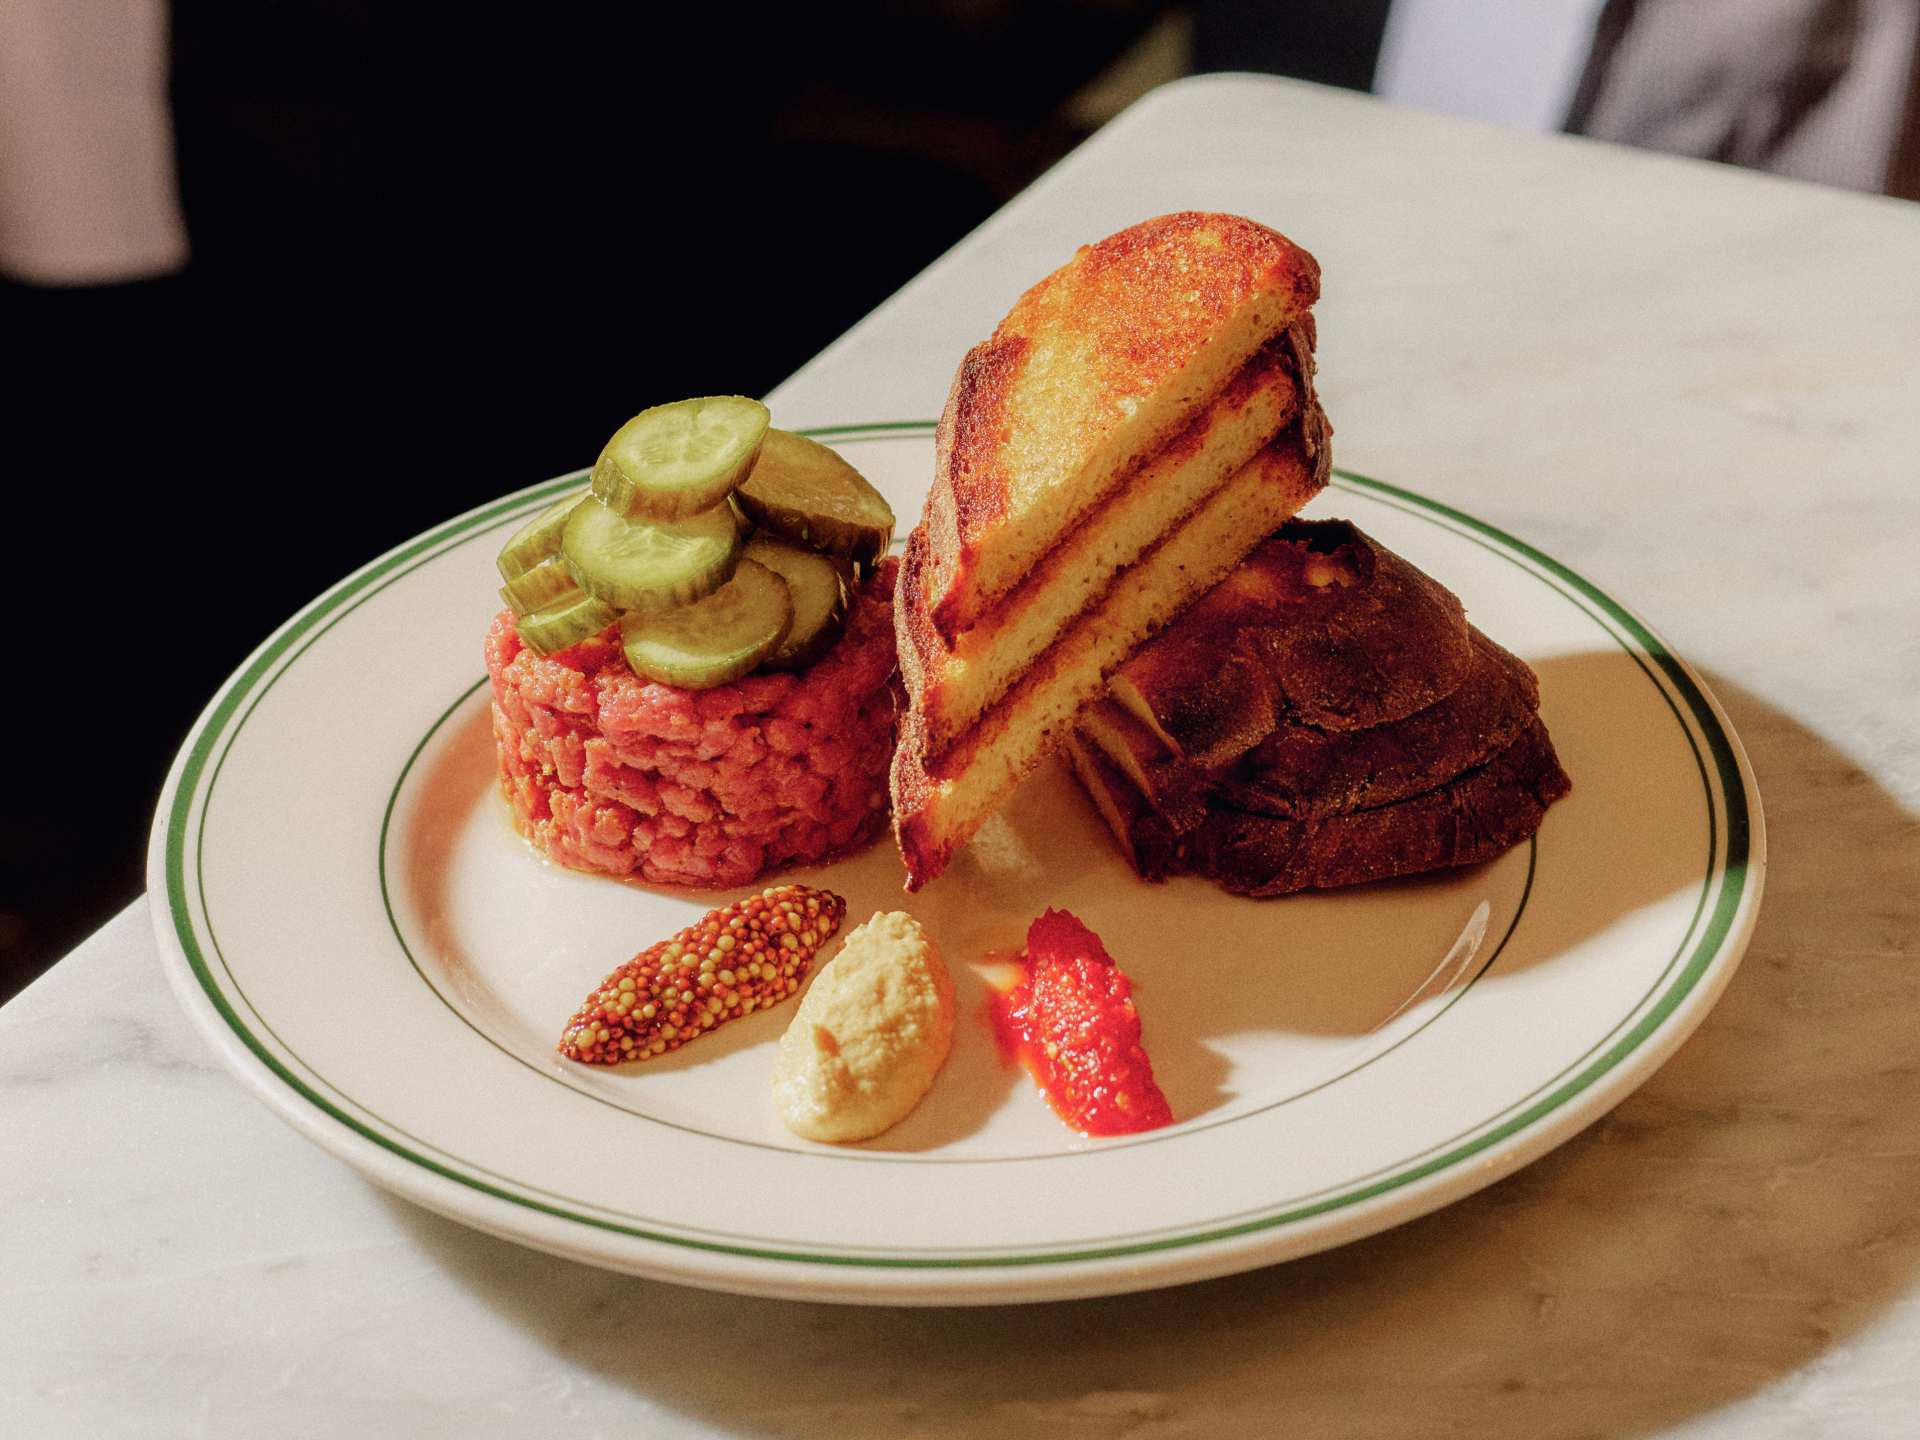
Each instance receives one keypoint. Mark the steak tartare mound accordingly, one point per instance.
(611, 773)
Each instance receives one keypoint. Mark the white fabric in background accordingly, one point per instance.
(1512, 62)
(87, 188)
(1730, 79)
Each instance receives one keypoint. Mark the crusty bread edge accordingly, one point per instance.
(932, 659)
(974, 422)
(1299, 458)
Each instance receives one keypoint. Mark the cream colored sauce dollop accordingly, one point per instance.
(871, 1033)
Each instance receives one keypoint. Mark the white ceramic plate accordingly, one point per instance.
(353, 923)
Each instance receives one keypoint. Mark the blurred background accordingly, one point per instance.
(285, 282)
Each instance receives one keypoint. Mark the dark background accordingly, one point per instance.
(432, 267)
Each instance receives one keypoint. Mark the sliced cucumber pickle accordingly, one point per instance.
(676, 460)
(567, 621)
(539, 587)
(807, 493)
(819, 592)
(715, 640)
(538, 539)
(647, 565)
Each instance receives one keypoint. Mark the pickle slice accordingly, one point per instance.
(676, 460)
(567, 621)
(538, 539)
(539, 587)
(649, 565)
(714, 640)
(819, 600)
(807, 493)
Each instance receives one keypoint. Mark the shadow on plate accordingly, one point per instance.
(1748, 1210)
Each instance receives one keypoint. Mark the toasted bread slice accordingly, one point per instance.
(1095, 367)
(957, 681)
(941, 797)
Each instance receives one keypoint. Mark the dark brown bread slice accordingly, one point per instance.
(1395, 643)
(1300, 772)
(1321, 625)
(1472, 818)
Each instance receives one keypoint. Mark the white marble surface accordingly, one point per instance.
(1699, 387)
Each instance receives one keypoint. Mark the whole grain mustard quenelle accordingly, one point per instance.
(738, 959)
(869, 1037)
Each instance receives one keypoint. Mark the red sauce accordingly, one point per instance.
(1071, 1021)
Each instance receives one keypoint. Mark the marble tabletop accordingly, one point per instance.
(1697, 386)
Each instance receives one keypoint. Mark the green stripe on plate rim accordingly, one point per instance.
(218, 724)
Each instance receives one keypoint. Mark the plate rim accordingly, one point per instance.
(1520, 1133)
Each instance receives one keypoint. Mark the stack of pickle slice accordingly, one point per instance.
(720, 544)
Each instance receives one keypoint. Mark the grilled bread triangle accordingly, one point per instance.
(1095, 367)
(954, 682)
(941, 796)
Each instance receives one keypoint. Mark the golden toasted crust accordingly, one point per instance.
(1095, 366)
(942, 795)
(919, 645)
(955, 681)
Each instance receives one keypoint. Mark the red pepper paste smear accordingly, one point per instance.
(1071, 1021)
(745, 957)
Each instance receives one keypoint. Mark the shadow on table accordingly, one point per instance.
(1750, 1208)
